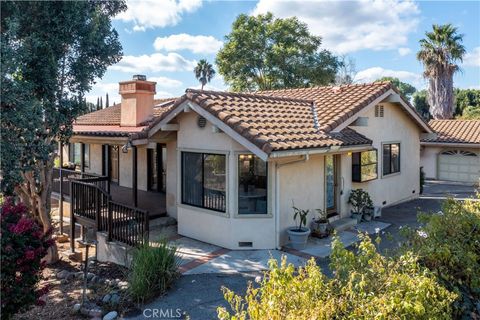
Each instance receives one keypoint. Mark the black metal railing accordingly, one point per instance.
(62, 177)
(122, 223)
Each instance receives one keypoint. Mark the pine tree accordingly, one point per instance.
(98, 103)
(106, 101)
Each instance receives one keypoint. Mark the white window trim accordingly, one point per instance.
(401, 161)
(270, 172)
(225, 214)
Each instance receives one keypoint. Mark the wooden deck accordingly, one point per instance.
(152, 201)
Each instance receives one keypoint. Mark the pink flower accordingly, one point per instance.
(29, 254)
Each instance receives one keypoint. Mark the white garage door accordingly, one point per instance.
(459, 165)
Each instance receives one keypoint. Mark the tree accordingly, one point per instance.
(98, 104)
(106, 101)
(204, 72)
(466, 99)
(439, 52)
(346, 71)
(406, 89)
(262, 53)
(421, 104)
(51, 54)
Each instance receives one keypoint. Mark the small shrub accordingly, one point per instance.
(152, 271)
(449, 245)
(23, 245)
(360, 200)
(365, 285)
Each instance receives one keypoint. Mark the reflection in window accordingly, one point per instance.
(204, 180)
(364, 166)
(391, 158)
(75, 154)
(252, 185)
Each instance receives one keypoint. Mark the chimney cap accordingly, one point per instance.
(140, 77)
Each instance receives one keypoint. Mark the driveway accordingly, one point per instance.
(199, 295)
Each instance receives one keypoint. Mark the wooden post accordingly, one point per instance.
(104, 167)
(109, 222)
(134, 176)
(72, 219)
(82, 158)
(108, 169)
(60, 208)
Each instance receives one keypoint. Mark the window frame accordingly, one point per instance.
(237, 188)
(71, 154)
(360, 165)
(203, 153)
(390, 143)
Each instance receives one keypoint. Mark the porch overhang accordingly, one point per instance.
(325, 150)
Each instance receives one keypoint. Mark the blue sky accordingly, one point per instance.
(164, 39)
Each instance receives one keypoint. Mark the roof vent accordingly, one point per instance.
(140, 77)
(379, 111)
(201, 122)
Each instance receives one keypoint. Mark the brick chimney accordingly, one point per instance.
(137, 100)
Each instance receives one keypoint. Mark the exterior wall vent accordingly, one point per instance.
(247, 244)
(201, 122)
(379, 111)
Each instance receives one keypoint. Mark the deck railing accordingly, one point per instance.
(62, 177)
(92, 205)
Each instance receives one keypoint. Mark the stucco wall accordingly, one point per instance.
(394, 127)
(224, 229)
(171, 179)
(95, 159)
(125, 164)
(429, 156)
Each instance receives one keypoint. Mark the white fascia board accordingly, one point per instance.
(450, 144)
(326, 150)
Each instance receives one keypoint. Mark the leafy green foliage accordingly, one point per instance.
(360, 200)
(23, 245)
(152, 271)
(420, 102)
(302, 217)
(365, 285)
(449, 245)
(262, 52)
(406, 89)
(467, 103)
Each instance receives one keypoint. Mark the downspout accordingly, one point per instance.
(305, 158)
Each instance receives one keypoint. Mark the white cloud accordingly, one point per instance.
(404, 51)
(147, 14)
(348, 26)
(100, 89)
(472, 58)
(375, 73)
(165, 82)
(196, 44)
(155, 62)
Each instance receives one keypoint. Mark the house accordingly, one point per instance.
(454, 153)
(229, 166)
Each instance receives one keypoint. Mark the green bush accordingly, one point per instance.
(365, 285)
(449, 245)
(152, 271)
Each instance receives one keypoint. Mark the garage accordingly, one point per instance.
(459, 165)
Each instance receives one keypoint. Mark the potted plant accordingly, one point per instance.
(298, 235)
(359, 199)
(368, 213)
(320, 225)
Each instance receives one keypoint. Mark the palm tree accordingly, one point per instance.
(439, 52)
(204, 72)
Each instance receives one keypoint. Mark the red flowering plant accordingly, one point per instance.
(24, 244)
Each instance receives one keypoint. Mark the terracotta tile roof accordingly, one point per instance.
(336, 104)
(272, 123)
(455, 131)
(111, 115)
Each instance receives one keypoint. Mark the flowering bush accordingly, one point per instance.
(24, 244)
(365, 285)
(448, 243)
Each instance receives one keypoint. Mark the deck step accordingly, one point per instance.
(344, 224)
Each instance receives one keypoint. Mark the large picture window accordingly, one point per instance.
(252, 185)
(204, 180)
(364, 166)
(391, 158)
(75, 154)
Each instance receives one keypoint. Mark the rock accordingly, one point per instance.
(90, 276)
(76, 307)
(79, 275)
(112, 315)
(123, 284)
(75, 256)
(94, 279)
(95, 312)
(64, 281)
(115, 299)
(106, 298)
(62, 274)
(62, 238)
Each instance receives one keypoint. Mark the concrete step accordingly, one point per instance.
(162, 222)
(344, 224)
